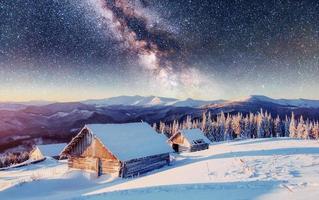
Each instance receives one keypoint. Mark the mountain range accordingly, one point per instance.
(149, 101)
(26, 123)
(163, 101)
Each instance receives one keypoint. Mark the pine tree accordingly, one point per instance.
(315, 131)
(286, 127)
(228, 129)
(292, 126)
(189, 122)
(221, 128)
(301, 128)
(307, 131)
(236, 126)
(175, 127)
(253, 126)
(162, 127)
(260, 125)
(247, 128)
(204, 120)
(277, 127)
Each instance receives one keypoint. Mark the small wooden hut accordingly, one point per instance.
(49, 150)
(189, 140)
(123, 150)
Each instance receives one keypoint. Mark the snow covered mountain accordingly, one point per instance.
(305, 103)
(149, 101)
(132, 101)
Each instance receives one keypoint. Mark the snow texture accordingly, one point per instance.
(130, 141)
(246, 169)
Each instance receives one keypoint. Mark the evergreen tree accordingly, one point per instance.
(301, 128)
(228, 129)
(204, 120)
(286, 127)
(236, 125)
(277, 127)
(292, 126)
(260, 125)
(247, 128)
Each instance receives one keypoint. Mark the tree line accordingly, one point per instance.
(260, 125)
(9, 159)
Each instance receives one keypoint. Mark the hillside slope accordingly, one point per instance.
(247, 169)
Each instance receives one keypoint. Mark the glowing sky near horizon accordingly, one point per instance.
(70, 50)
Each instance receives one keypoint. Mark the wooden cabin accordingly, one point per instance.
(189, 140)
(123, 150)
(49, 150)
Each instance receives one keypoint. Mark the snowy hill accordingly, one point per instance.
(305, 103)
(246, 169)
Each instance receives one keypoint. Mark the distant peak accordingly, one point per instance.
(256, 98)
(189, 99)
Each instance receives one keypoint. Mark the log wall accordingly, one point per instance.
(84, 163)
(90, 156)
(136, 167)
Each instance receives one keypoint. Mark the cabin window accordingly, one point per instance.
(200, 141)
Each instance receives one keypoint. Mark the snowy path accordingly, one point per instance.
(248, 169)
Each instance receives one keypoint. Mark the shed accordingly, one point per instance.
(123, 150)
(49, 150)
(189, 140)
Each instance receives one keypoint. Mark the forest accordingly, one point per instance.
(225, 127)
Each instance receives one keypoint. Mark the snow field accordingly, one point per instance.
(247, 169)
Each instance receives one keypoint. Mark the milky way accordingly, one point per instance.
(78, 49)
(157, 50)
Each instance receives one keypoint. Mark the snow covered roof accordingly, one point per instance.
(51, 149)
(194, 134)
(130, 141)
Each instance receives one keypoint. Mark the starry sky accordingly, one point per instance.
(69, 50)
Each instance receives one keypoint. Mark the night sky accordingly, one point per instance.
(82, 49)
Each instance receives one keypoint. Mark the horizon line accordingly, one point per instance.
(137, 95)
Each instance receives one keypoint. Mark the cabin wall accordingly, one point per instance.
(136, 167)
(199, 147)
(92, 156)
(97, 149)
(178, 139)
(84, 163)
(181, 141)
(84, 141)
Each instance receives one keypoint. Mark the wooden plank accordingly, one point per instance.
(83, 163)
(146, 161)
(147, 158)
(130, 173)
(145, 166)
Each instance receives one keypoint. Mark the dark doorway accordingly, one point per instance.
(99, 172)
(175, 147)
